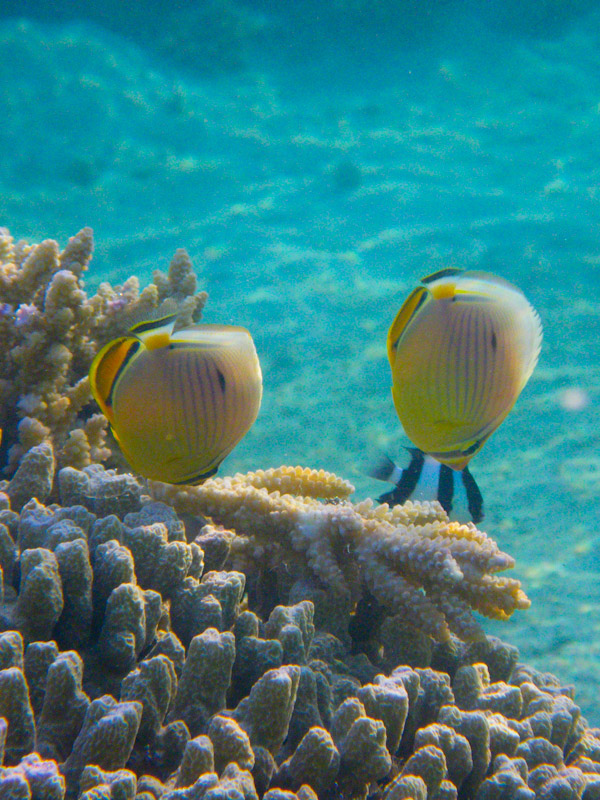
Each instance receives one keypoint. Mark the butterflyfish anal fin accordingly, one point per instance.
(194, 480)
(106, 368)
(410, 307)
(155, 333)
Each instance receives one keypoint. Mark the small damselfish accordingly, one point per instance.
(461, 349)
(178, 402)
(426, 479)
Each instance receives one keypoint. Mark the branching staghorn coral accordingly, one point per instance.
(412, 559)
(50, 331)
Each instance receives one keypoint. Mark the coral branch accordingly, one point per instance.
(413, 560)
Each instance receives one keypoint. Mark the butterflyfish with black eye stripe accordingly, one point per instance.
(178, 402)
(461, 349)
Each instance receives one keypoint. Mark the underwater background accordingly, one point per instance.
(316, 159)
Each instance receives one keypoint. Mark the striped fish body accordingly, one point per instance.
(461, 349)
(178, 403)
(425, 479)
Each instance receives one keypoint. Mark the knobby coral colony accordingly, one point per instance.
(258, 635)
(50, 331)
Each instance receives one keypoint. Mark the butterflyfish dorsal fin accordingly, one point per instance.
(106, 368)
(409, 308)
(155, 333)
(441, 273)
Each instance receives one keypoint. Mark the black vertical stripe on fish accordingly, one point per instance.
(465, 360)
(219, 403)
(200, 407)
(208, 401)
(211, 405)
(477, 374)
(223, 400)
(472, 354)
(450, 334)
(230, 398)
(201, 404)
(474, 497)
(408, 480)
(436, 367)
(445, 490)
(468, 362)
(483, 323)
(455, 343)
(190, 426)
(234, 399)
(182, 424)
(241, 397)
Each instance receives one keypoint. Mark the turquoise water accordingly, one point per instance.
(316, 162)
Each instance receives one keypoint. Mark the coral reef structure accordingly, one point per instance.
(50, 330)
(413, 560)
(257, 636)
(137, 660)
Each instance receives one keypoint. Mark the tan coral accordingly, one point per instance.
(297, 480)
(50, 331)
(415, 561)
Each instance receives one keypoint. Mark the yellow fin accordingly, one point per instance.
(403, 317)
(155, 333)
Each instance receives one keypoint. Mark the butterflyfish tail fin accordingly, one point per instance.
(155, 333)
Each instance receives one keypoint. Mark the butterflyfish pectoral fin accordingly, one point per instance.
(106, 368)
(155, 333)
(410, 307)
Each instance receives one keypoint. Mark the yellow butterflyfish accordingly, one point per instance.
(461, 349)
(178, 401)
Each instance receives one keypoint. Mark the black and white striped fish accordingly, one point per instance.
(426, 479)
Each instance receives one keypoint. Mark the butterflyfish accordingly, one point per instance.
(178, 401)
(461, 349)
(426, 479)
